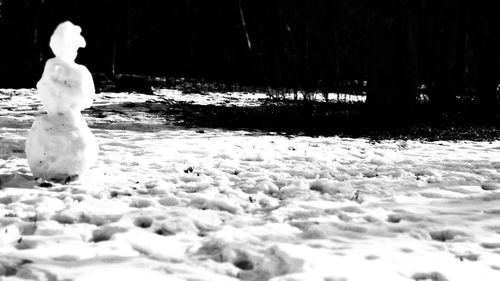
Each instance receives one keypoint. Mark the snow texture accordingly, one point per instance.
(60, 145)
(169, 203)
(66, 87)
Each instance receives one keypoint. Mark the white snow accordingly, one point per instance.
(66, 40)
(66, 87)
(60, 144)
(251, 99)
(167, 203)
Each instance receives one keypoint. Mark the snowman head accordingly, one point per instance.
(66, 40)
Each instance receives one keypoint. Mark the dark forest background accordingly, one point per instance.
(445, 49)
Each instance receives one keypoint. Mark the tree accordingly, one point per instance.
(442, 51)
(485, 29)
(392, 59)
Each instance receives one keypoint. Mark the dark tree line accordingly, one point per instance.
(449, 46)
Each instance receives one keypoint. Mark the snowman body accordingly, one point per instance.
(65, 87)
(60, 145)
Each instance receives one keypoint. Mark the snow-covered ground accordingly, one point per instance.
(167, 203)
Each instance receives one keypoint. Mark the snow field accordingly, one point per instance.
(178, 204)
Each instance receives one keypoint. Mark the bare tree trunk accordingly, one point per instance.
(486, 29)
(391, 84)
(244, 24)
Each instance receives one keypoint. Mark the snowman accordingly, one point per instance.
(60, 145)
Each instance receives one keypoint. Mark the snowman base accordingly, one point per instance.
(60, 147)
